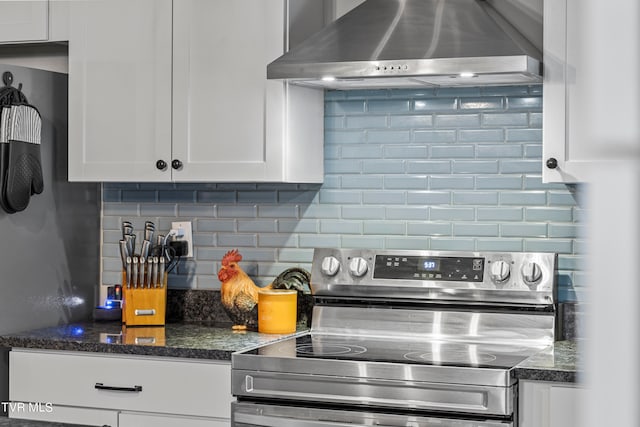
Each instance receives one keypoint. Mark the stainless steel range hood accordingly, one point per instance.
(414, 43)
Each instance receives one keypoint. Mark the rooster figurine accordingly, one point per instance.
(239, 294)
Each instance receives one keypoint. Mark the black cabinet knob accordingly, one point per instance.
(176, 164)
(161, 165)
(552, 163)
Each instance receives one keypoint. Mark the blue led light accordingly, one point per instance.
(77, 331)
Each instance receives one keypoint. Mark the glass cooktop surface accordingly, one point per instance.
(359, 348)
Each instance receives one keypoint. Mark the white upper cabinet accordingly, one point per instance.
(179, 93)
(24, 21)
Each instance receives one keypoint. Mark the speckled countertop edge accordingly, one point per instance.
(199, 340)
(559, 362)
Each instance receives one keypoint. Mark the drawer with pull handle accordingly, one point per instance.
(153, 384)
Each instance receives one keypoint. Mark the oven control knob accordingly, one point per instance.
(500, 271)
(358, 267)
(330, 266)
(531, 273)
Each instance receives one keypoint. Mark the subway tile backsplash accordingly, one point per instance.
(441, 169)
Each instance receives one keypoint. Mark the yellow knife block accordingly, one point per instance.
(144, 306)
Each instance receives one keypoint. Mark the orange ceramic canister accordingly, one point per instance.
(277, 311)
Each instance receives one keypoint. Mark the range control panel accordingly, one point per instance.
(524, 277)
(459, 269)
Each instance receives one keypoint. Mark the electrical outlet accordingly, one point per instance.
(187, 235)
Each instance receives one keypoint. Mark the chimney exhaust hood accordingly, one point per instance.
(414, 43)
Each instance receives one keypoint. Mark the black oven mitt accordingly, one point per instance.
(20, 164)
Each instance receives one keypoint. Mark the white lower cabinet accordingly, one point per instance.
(114, 390)
(549, 404)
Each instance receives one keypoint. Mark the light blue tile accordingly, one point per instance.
(254, 255)
(435, 104)
(332, 151)
(175, 196)
(342, 166)
(363, 212)
(458, 91)
(535, 89)
(499, 214)
(535, 120)
(201, 211)
(523, 230)
(481, 135)
(330, 182)
(160, 209)
(405, 151)
(362, 242)
(429, 166)
(428, 197)
(499, 151)
(366, 122)
(444, 244)
(580, 215)
(203, 239)
(407, 242)
(555, 214)
(278, 211)
(548, 245)
(234, 186)
(128, 209)
(413, 122)
(524, 135)
(520, 166)
(413, 93)
(499, 244)
(111, 195)
(533, 151)
(395, 182)
(344, 136)
(429, 228)
(524, 102)
(523, 198)
(484, 103)
(111, 223)
(434, 136)
(475, 229)
(391, 106)
(237, 240)
(334, 122)
(385, 198)
(475, 166)
(384, 166)
(451, 214)
(257, 196)
(388, 136)
(448, 182)
(237, 211)
(216, 225)
(319, 241)
(452, 152)
(571, 262)
(534, 182)
(385, 227)
(475, 198)
(361, 151)
(406, 213)
(505, 119)
(334, 95)
(561, 199)
(295, 255)
(257, 226)
(340, 197)
(498, 182)
(321, 211)
(457, 121)
(298, 226)
(504, 90)
(338, 108)
(368, 94)
(215, 196)
(564, 230)
(340, 227)
(298, 197)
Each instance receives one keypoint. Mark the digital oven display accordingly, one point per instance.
(430, 264)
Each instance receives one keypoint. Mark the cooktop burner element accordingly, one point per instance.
(450, 356)
(329, 349)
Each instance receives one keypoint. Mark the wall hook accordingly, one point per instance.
(7, 78)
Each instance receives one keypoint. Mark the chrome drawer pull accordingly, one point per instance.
(135, 388)
(147, 312)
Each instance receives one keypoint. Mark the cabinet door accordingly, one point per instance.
(119, 90)
(227, 118)
(547, 404)
(62, 414)
(23, 21)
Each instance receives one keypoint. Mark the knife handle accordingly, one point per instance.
(135, 388)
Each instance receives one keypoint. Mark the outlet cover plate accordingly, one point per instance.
(188, 235)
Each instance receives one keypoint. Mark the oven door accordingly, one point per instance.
(248, 414)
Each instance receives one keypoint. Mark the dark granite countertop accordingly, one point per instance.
(559, 362)
(199, 340)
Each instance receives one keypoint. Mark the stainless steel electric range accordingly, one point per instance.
(404, 338)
